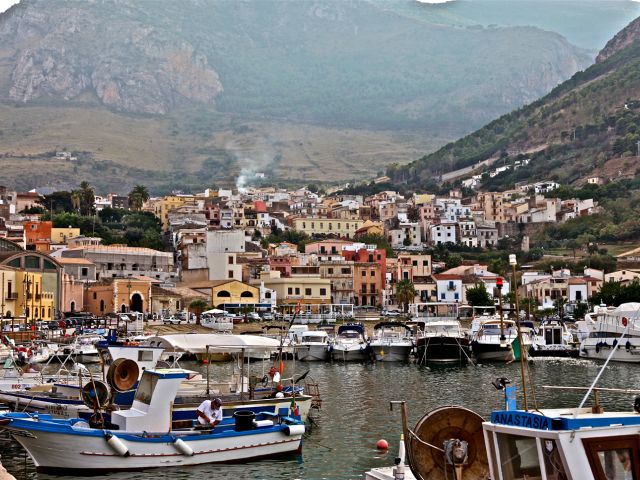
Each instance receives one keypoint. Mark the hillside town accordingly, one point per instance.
(267, 250)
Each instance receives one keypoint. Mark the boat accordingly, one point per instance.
(145, 436)
(313, 346)
(350, 344)
(391, 342)
(442, 341)
(217, 320)
(554, 339)
(610, 327)
(497, 340)
(82, 349)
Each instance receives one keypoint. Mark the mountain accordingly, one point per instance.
(587, 126)
(183, 94)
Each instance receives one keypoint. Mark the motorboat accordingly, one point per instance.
(82, 349)
(146, 436)
(442, 341)
(618, 330)
(314, 346)
(497, 340)
(554, 339)
(350, 344)
(217, 320)
(391, 342)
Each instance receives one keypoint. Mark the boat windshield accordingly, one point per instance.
(313, 340)
(350, 334)
(518, 459)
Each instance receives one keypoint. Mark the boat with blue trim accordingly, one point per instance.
(145, 436)
(351, 345)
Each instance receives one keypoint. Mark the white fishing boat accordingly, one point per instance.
(314, 346)
(145, 436)
(392, 342)
(350, 344)
(217, 320)
(617, 327)
(554, 339)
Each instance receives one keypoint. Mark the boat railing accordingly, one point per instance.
(595, 391)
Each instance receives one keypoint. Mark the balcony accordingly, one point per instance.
(12, 296)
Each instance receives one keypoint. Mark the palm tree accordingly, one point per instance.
(198, 306)
(87, 198)
(405, 293)
(137, 197)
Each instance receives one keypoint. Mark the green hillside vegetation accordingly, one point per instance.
(581, 128)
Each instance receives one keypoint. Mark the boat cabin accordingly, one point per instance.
(563, 444)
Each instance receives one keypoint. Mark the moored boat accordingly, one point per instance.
(391, 342)
(442, 341)
(350, 344)
(617, 329)
(314, 346)
(146, 437)
(554, 339)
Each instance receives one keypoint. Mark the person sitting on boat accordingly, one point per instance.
(210, 412)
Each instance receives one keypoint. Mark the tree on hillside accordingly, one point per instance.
(83, 199)
(137, 197)
(198, 306)
(57, 202)
(405, 293)
(478, 296)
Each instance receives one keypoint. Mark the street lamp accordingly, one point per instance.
(129, 296)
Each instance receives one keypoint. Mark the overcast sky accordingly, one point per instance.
(4, 4)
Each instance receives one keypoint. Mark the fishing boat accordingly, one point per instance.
(145, 436)
(391, 342)
(313, 346)
(554, 339)
(350, 344)
(442, 341)
(611, 327)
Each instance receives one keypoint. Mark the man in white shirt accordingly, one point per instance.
(210, 412)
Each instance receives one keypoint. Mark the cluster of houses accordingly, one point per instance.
(219, 252)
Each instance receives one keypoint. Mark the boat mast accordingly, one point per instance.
(523, 351)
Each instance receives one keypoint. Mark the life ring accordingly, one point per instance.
(598, 347)
(627, 345)
(615, 342)
(272, 372)
(265, 380)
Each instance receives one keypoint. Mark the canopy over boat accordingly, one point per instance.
(215, 311)
(197, 343)
(391, 325)
(351, 327)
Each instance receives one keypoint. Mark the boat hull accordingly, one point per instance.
(392, 353)
(597, 349)
(443, 349)
(313, 353)
(559, 351)
(492, 352)
(353, 354)
(87, 449)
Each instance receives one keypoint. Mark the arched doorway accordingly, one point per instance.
(73, 306)
(136, 303)
(123, 308)
(101, 306)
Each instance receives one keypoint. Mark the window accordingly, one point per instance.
(323, 292)
(405, 275)
(456, 296)
(442, 296)
(84, 271)
(425, 263)
(330, 271)
(518, 457)
(95, 295)
(230, 272)
(371, 258)
(230, 260)
(290, 291)
(414, 263)
(364, 273)
(307, 291)
(346, 271)
(373, 273)
(297, 290)
(613, 457)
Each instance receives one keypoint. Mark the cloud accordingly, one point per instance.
(5, 4)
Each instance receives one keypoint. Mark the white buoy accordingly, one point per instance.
(182, 447)
(116, 444)
(294, 430)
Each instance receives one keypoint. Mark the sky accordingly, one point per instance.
(5, 4)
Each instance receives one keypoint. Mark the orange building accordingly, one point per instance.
(37, 235)
(115, 295)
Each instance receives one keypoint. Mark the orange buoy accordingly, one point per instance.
(205, 361)
(382, 444)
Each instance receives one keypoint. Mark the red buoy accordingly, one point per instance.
(382, 444)
(205, 361)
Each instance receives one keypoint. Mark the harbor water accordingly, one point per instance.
(340, 442)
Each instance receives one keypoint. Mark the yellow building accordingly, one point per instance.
(22, 295)
(162, 206)
(226, 294)
(63, 235)
(326, 226)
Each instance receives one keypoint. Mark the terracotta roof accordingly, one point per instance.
(207, 283)
(444, 276)
(74, 261)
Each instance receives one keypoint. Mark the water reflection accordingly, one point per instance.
(340, 444)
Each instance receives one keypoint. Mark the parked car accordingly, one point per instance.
(267, 316)
(171, 320)
(253, 317)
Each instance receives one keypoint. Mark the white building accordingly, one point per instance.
(407, 235)
(449, 288)
(443, 233)
(222, 249)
